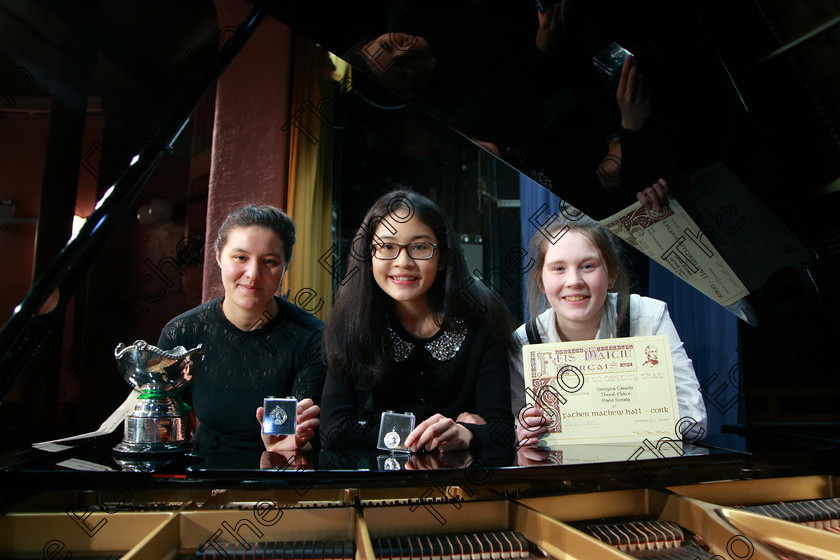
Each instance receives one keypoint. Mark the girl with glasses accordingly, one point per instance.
(412, 331)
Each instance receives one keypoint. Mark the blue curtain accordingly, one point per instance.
(710, 335)
(536, 205)
(709, 332)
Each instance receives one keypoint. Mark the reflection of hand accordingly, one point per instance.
(439, 432)
(193, 423)
(551, 24)
(470, 418)
(432, 461)
(655, 197)
(532, 423)
(489, 146)
(609, 172)
(531, 456)
(282, 460)
(307, 421)
(633, 96)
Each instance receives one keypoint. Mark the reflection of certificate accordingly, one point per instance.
(602, 391)
(615, 452)
(674, 240)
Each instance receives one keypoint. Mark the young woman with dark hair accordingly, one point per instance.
(412, 331)
(255, 344)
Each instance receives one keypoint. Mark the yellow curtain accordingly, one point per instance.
(309, 195)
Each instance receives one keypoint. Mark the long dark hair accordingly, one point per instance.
(356, 337)
(606, 243)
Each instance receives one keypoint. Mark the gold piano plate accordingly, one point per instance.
(784, 534)
(55, 535)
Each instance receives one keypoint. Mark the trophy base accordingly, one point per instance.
(154, 435)
(156, 448)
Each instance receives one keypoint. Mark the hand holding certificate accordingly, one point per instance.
(603, 391)
(674, 240)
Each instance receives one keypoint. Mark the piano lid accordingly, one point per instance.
(742, 106)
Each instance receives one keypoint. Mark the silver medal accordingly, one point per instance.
(392, 439)
(278, 416)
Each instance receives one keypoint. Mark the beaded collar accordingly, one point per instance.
(442, 348)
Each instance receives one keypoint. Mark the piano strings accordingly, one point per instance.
(651, 539)
(490, 545)
(821, 514)
(336, 549)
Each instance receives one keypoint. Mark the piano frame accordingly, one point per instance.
(207, 516)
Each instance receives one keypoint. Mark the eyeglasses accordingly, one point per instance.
(417, 251)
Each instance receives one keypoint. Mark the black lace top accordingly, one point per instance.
(458, 370)
(279, 357)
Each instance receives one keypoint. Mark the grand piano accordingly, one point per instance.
(150, 123)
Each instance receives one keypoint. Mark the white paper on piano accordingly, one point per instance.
(82, 465)
(603, 391)
(108, 426)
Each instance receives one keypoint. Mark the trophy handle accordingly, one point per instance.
(141, 345)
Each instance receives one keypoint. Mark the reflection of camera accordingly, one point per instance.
(279, 416)
(610, 60)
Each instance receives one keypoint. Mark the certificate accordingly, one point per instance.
(674, 240)
(603, 391)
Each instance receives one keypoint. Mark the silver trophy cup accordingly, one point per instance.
(159, 422)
